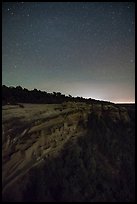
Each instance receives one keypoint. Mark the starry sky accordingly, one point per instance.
(79, 48)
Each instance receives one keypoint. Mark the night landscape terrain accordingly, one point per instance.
(68, 102)
(69, 151)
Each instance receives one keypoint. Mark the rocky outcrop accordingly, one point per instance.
(66, 145)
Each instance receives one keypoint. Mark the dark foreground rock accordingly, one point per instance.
(83, 153)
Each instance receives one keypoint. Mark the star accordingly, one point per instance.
(95, 34)
(56, 18)
(28, 15)
(129, 30)
(131, 60)
(39, 40)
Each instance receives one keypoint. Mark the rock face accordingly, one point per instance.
(70, 152)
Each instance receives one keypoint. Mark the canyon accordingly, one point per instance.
(68, 152)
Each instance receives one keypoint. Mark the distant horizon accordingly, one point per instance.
(30, 89)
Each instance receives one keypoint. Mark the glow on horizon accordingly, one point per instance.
(124, 102)
(111, 100)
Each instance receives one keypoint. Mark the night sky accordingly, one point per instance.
(80, 48)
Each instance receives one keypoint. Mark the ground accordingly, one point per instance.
(67, 152)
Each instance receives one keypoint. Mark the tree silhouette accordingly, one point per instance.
(17, 94)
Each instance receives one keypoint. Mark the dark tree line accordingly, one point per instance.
(14, 95)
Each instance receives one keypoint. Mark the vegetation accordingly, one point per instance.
(14, 95)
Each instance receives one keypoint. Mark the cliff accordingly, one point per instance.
(68, 152)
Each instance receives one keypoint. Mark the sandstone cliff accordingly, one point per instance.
(68, 152)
